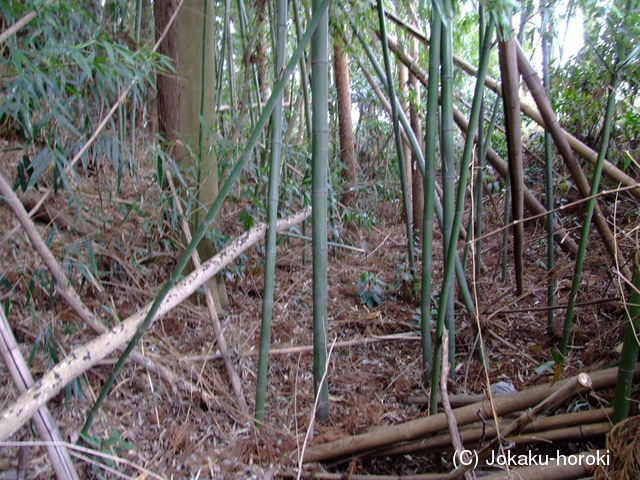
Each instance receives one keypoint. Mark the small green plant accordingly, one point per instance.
(113, 445)
(370, 290)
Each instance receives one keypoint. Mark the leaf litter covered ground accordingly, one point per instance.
(153, 425)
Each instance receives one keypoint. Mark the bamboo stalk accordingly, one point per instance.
(583, 150)
(511, 98)
(502, 405)
(570, 426)
(85, 356)
(396, 130)
(234, 379)
(319, 153)
(272, 218)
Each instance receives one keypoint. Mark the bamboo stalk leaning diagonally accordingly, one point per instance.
(389, 83)
(530, 201)
(234, 378)
(591, 210)
(86, 356)
(215, 206)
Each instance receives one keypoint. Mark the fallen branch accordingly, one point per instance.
(84, 357)
(386, 436)
(293, 350)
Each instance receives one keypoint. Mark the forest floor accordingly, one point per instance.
(171, 434)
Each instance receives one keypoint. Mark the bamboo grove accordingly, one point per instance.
(270, 128)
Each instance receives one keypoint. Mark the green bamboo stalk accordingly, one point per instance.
(478, 187)
(132, 114)
(396, 130)
(629, 349)
(547, 39)
(213, 210)
(203, 91)
(448, 161)
(230, 63)
(584, 236)
(457, 219)
(415, 147)
(272, 218)
(319, 152)
(429, 192)
(304, 81)
(460, 276)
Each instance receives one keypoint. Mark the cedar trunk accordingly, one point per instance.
(347, 144)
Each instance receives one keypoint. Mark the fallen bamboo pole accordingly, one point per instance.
(502, 405)
(84, 357)
(559, 427)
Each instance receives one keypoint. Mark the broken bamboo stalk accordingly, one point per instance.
(386, 436)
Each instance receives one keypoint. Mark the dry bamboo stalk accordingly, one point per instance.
(234, 379)
(45, 424)
(68, 293)
(84, 357)
(568, 426)
(385, 436)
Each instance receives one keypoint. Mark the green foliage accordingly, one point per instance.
(113, 444)
(370, 291)
(581, 87)
(64, 70)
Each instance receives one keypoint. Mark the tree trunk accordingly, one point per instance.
(179, 107)
(403, 84)
(417, 184)
(347, 144)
